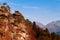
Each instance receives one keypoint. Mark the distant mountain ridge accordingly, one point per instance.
(40, 25)
(52, 26)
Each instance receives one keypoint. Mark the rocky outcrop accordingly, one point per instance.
(13, 26)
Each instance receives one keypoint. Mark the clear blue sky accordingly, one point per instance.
(43, 11)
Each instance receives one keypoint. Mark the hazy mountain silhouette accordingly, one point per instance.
(40, 25)
(53, 26)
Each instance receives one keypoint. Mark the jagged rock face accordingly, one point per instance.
(19, 32)
(11, 28)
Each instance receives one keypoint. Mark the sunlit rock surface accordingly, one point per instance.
(12, 26)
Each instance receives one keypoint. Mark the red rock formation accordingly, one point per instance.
(12, 29)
